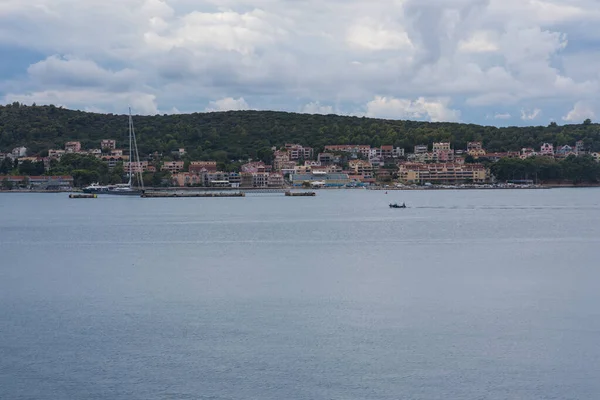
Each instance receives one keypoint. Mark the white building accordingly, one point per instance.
(19, 152)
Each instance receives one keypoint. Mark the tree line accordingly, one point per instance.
(233, 137)
(239, 135)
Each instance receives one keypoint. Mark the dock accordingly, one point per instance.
(83, 196)
(300, 194)
(190, 194)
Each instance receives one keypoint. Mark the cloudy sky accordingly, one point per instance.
(496, 62)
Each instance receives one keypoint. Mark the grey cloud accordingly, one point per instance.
(286, 54)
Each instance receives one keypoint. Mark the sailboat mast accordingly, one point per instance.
(130, 169)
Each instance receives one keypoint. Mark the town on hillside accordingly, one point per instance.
(292, 165)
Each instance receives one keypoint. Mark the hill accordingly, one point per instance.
(247, 134)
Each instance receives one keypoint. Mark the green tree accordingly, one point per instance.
(6, 166)
(6, 184)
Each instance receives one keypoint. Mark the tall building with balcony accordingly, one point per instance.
(108, 144)
(297, 152)
(421, 149)
(442, 152)
(172, 166)
(352, 149)
(446, 173)
(197, 167)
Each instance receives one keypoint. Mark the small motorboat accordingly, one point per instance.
(396, 205)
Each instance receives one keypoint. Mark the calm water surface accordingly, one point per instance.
(464, 295)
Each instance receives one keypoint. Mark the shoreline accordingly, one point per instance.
(405, 188)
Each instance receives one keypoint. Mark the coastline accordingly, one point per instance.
(378, 188)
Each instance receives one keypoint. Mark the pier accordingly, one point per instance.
(300, 194)
(191, 194)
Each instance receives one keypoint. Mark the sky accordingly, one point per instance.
(492, 62)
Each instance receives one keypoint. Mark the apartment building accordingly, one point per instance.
(442, 152)
(360, 167)
(112, 161)
(136, 167)
(197, 167)
(172, 166)
(353, 150)
(448, 173)
(421, 149)
(108, 144)
(297, 152)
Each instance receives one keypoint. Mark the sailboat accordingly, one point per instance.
(127, 189)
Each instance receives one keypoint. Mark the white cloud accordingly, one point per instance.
(580, 112)
(478, 55)
(529, 115)
(316, 108)
(393, 108)
(479, 42)
(73, 71)
(228, 104)
(373, 35)
(502, 116)
(89, 99)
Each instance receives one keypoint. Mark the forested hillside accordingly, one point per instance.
(246, 134)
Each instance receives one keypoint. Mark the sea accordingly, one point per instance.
(465, 294)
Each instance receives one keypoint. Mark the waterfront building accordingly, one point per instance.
(446, 173)
(275, 180)
(215, 179)
(321, 179)
(579, 147)
(235, 179)
(64, 182)
(182, 179)
(197, 167)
